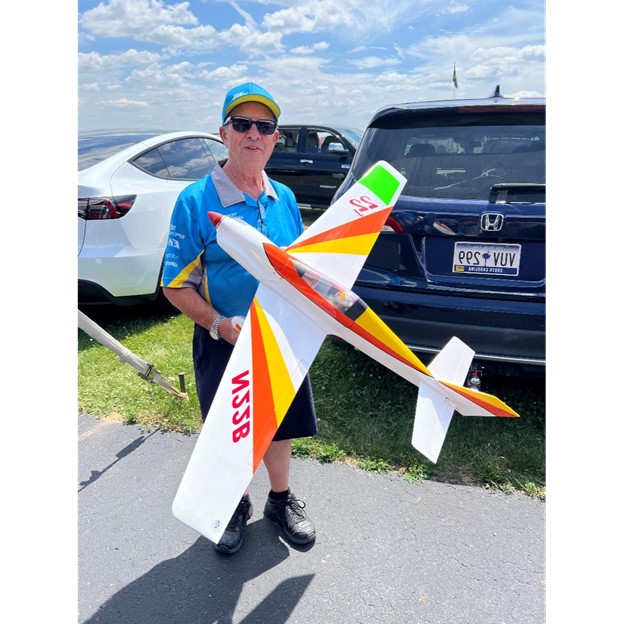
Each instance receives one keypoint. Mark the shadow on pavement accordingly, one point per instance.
(96, 474)
(201, 585)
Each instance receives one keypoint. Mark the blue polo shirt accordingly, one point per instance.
(193, 258)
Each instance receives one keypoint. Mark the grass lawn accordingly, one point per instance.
(365, 412)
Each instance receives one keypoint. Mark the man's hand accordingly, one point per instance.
(229, 329)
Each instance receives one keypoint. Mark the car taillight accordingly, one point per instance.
(97, 208)
(392, 225)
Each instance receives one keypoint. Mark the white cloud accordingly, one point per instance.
(374, 62)
(311, 49)
(170, 76)
(174, 36)
(149, 21)
(455, 7)
(90, 86)
(349, 18)
(506, 54)
(252, 41)
(134, 18)
(289, 21)
(249, 20)
(225, 74)
(125, 103)
(95, 62)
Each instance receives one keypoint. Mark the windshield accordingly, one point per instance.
(353, 135)
(343, 300)
(460, 158)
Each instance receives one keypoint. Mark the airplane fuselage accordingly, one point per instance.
(335, 310)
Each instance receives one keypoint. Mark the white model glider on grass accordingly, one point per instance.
(296, 306)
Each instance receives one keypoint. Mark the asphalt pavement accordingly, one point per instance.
(387, 551)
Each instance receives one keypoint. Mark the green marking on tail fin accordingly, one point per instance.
(381, 182)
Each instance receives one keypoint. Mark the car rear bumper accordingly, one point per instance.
(120, 276)
(93, 294)
(499, 331)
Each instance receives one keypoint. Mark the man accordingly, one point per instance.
(206, 284)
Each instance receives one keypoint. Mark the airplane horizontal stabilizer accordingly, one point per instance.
(443, 394)
(434, 411)
(433, 417)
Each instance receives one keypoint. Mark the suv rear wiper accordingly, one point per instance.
(517, 193)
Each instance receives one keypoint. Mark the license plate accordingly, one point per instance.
(487, 258)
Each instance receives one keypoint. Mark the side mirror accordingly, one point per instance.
(337, 148)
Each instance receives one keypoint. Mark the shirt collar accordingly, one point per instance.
(230, 194)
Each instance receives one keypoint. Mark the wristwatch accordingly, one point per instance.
(214, 330)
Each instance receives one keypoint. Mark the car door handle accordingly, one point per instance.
(305, 160)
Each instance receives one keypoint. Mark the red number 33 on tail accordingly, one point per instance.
(363, 204)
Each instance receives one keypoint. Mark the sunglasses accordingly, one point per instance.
(243, 124)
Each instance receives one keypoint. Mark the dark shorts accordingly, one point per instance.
(210, 359)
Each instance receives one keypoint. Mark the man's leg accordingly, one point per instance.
(282, 506)
(277, 462)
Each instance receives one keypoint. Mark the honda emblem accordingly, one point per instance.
(492, 221)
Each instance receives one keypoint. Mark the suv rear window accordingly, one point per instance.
(460, 155)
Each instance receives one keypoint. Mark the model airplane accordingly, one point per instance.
(296, 306)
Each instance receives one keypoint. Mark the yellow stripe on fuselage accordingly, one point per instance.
(372, 324)
(282, 387)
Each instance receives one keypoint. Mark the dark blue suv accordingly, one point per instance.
(463, 252)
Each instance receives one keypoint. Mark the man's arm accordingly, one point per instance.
(190, 303)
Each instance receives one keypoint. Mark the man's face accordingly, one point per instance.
(251, 147)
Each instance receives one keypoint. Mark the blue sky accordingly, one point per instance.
(166, 65)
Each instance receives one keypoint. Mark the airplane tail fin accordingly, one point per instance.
(441, 395)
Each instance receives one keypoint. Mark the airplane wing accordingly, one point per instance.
(272, 355)
(339, 241)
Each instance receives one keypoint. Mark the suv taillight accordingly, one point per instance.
(392, 225)
(97, 208)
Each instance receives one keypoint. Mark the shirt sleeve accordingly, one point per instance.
(183, 254)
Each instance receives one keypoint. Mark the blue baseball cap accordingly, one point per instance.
(249, 92)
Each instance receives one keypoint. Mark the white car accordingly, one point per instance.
(128, 183)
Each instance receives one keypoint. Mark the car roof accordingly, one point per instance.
(149, 137)
(318, 125)
(467, 104)
(120, 145)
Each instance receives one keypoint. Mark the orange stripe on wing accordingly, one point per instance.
(354, 245)
(273, 390)
(264, 424)
(359, 230)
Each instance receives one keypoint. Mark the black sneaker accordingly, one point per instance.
(232, 538)
(289, 514)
